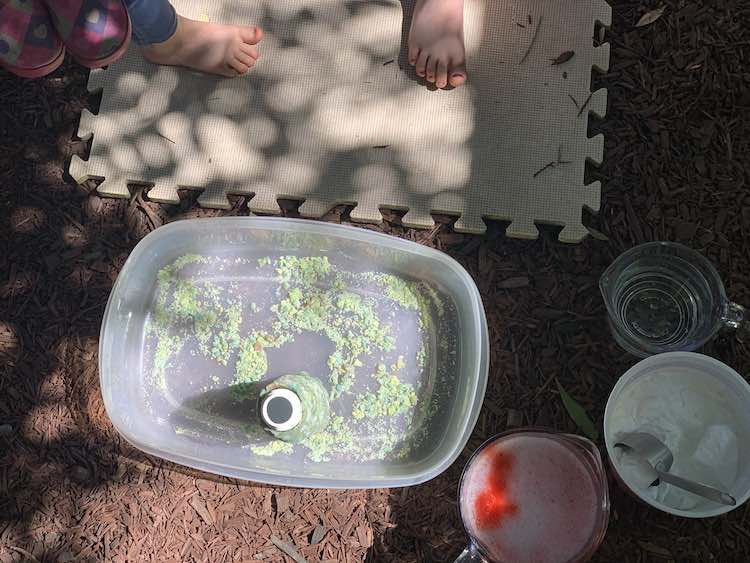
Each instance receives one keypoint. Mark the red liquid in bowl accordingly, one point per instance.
(533, 498)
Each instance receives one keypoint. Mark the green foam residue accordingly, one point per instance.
(303, 311)
(166, 347)
(422, 356)
(336, 438)
(374, 413)
(303, 270)
(215, 327)
(391, 398)
(228, 337)
(350, 321)
(403, 292)
(272, 448)
(252, 363)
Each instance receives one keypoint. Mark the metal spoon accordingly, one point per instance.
(658, 456)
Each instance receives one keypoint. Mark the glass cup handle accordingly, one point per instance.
(470, 555)
(735, 317)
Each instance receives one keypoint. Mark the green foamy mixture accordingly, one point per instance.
(312, 296)
(391, 398)
(347, 319)
(252, 362)
(272, 448)
(216, 327)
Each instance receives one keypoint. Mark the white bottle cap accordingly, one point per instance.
(281, 410)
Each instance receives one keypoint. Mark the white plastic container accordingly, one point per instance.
(164, 420)
(700, 408)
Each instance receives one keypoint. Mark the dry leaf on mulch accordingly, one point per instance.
(650, 17)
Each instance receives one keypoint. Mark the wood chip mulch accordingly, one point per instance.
(677, 167)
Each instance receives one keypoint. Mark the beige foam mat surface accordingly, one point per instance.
(333, 114)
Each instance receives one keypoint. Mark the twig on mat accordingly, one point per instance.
(533, 39)
(554, 163)
(545, 167)
(559, 157)
(585, 104)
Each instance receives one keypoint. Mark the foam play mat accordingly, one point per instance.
(333, 114)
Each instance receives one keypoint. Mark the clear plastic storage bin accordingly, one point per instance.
(206, 312)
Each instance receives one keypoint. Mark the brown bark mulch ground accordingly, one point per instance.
(677, 167)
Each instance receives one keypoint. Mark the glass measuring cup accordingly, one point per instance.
(665, 297)
(552, 504)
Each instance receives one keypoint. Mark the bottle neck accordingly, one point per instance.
(281, 410)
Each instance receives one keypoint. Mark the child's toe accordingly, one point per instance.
(457, 75)
(251, 35)
(413, 55)
(421, 63)
(250, 50)
(245, 59)
(441, 78)
(239, 66)
(431, 69)
(457, 79)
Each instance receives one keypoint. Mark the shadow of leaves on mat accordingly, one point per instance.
(320, 109)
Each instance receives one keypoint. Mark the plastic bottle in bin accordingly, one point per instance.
(294, 407)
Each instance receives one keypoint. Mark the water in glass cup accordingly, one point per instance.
(665, 297)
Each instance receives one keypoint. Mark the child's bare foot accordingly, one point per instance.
(436, 42)
(215, 48)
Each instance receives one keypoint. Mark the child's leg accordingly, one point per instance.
(436, 41)
(170, 39)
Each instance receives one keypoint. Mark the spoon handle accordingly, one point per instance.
(698, 488)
